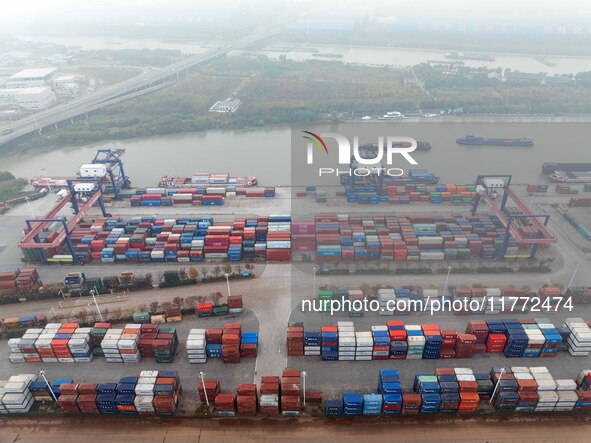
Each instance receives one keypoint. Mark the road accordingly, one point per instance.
(72, 430)
(141, 84)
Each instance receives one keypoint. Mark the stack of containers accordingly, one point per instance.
(428, 386)
(495, 343)
(39, 389)
(372, 404)
(583, 382)
(479, 329)
(352, 404)
(312, 342)
(411, 403)
(516, 339)
(465, 345)
(552, 338)
(87, 398)
(398, 337)
(231, 343)
(535, 340)
(68, 399)
(364, 345)
(381, 342)
(17, 397)
(355, 296)
(196, 345)
(579, 337)
(333, 408)
(246, 400)
(416, 342)
(291, 393)
(208, 390)
(213, 339)
(527, 389)
(347, 343)
(269, 395)
(79, 345)
(128, 343)
(330, 343)
(279, 238)
(167, 392)
(295, 341)
(390, 389)
(225, 405)
(387, 300)
(235, 305)
(449, 389)
(493, 301)
(449, 338)
(249, 343)
(97, 334)
(433, 342)
(506, 397)
(567, 395)
(125, 396)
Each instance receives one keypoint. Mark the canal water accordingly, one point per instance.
(265, 152)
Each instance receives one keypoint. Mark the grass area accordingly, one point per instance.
(10, 186)
(287, 92)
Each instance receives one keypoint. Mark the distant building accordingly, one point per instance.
(66, 84)
(557, 80)
(517, 76)
(225, 106)
(34, 98)
(31, 78)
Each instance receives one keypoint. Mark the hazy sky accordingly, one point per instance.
(47, 12)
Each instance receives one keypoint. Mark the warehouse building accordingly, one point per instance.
(34, 98)
(31, 78)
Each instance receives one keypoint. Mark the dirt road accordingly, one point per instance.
(67, 430)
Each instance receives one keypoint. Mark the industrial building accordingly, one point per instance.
(66, 84)
(32, 77)
(33, 98)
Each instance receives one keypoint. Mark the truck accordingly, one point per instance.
(75, 282)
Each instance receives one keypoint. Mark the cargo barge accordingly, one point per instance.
(327, 55)
(571, 176)
(548, 168)
(472, 140)
(205, 179)
(470, 56)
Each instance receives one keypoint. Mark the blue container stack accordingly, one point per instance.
(391, 389)
(428, 386)
(352, 403)
(372, 404)
(333, 408)
(214, 350)
(432, 347)
(105, 399)
(516, 339)
(330, 346)
(311, 343)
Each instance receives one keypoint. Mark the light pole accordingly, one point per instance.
(30, 207)
(446, 280)
(42, 374)
(93, 292)
(492, 397)
(314, 283)
(573, 277)
(304, 373)
(227, 282)
(202, 374)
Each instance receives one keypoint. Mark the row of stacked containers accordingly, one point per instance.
(230, 344)
(207, 196)
(527, 338)
(411, 193)
(150, 239)
(514, 389)
(347, 237)
(462, 391)
(464, 300)
(70, 343)
(147, 394)
(330, 238)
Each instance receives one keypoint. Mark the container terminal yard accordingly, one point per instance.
(246, 344)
